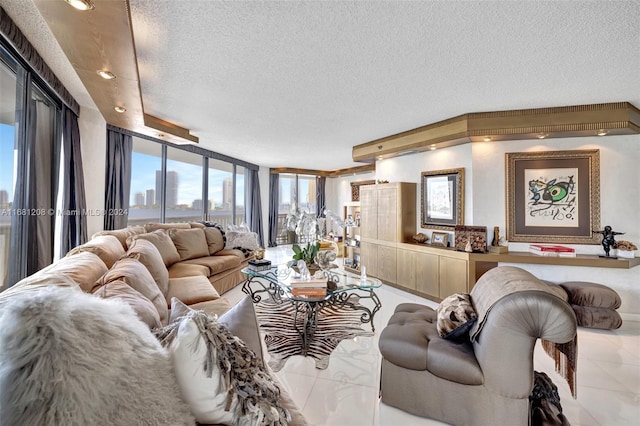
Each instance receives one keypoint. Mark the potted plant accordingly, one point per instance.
(308, 254)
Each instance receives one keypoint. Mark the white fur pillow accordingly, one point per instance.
(245, 240)
(67, 357)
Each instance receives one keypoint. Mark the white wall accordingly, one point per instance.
(93, 137)
(484, 165)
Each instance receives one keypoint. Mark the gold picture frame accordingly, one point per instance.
(553, 196)
(440, 239)
(442, 199)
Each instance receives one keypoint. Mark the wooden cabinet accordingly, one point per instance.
(388, 217)
(432, 272)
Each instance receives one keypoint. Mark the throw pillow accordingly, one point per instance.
(70, 358)
(106, 247)
(221, 380)
(147, 253)
(190, 243)
(243, 240)
(138, 277)
(455, 317)
(142, 306)
(163, 243)
(150, 227)
(122, 234)
(216, 239)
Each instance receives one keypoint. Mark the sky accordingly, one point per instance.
(6, 158)
(143, 177)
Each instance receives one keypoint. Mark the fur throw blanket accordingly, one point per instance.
(252, 395)
(69, 358)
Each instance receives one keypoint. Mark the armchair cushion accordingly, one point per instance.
(456, 316)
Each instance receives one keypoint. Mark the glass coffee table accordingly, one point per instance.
(275, 283)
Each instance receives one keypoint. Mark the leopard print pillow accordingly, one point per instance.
(455, 317)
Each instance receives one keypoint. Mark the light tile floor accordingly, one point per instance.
(346, 393)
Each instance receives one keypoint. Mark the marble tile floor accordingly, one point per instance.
(346, 393)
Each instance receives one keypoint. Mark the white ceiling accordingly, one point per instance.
(298, 83)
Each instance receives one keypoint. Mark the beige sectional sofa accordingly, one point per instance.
(147, 267)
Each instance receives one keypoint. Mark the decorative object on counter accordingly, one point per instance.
(382, 181)
(260, 264)
(553, 196)
(442, 199)
(420, 238)
(324, 259)
(498, 245)
(474, 235)
(440, 239)
(608, 240)
(626, 249)
(259, 253)
(468, 247)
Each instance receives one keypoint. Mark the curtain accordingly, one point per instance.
(24, 250)
(274, 196)
(74, 226)
(117, 179)
(321, 182)
(46, 164)
(254, 210)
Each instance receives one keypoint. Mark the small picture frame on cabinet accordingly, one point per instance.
(440, 239)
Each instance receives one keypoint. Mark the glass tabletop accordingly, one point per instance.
(282, 276)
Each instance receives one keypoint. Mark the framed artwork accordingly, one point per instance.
(442, 199)
(553, 196)
(440, 239)
(476, 236)
(355, 188)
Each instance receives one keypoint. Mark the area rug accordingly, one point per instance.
(283, 341)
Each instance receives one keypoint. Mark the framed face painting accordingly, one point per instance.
(553, 196)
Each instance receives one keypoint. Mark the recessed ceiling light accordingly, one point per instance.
(432, 147)
(120, 109)
(487, 138)
(81, 4)
(107, 75)
(161, 135)
(379, 157)
(602, 132)
(542, 135)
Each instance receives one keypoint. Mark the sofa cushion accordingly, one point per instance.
(163, 243)
(196, 225)
(215, 239)
(583, 293)
(122, 234)
(136, 275)
(149, 255)
(106, 247)
(182, 269)
(594, 317)
(455, 316)
(212, 307)
(142, 306)
(190, 290)
(150, 227)
(190, 243)
(241, 393)
(217, 263)
(83, 268)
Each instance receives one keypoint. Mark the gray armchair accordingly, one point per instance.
(486, 381)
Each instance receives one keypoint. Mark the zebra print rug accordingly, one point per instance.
(283, 341)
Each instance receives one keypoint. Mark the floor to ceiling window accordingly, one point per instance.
(30, 149)
(172, 184)
(296, 192)
(146, 165)
(8, 87)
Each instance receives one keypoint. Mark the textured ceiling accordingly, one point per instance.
(297, 84)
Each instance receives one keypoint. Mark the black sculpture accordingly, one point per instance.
(608, 239)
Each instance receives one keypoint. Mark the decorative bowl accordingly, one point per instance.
(420, 238)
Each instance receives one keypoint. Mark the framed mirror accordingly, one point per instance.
(442, 199)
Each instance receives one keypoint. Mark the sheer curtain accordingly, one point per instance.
(254, 210)
(74, 226)
(117, 179)
(274, 198)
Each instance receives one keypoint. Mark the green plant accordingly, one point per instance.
(308, 253)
